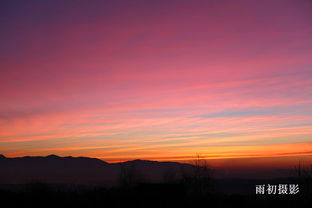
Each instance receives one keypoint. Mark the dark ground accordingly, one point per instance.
(219, 194)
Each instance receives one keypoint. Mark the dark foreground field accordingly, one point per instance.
(141, 195)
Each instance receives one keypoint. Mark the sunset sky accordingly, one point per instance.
(159, 80)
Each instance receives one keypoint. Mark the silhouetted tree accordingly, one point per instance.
(129, 175)
(303, 172)
(198, 179)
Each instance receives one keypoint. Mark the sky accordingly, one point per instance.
(158, 80)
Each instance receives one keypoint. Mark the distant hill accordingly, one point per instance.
(84, 170)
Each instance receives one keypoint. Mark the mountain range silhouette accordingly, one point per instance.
(83, 170)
